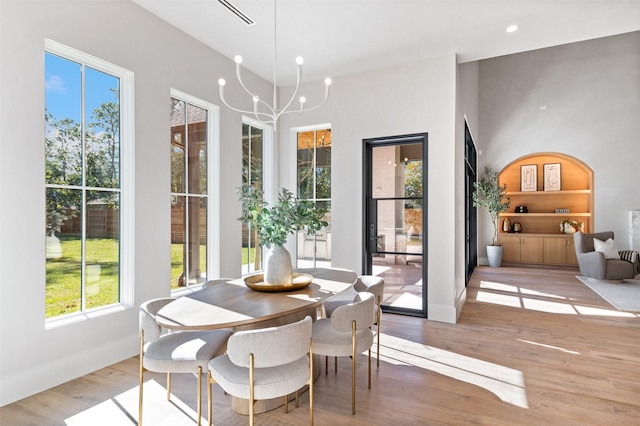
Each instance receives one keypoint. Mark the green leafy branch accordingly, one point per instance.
(288, 215)
(489, 196)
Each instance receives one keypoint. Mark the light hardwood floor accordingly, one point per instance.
(533, 346)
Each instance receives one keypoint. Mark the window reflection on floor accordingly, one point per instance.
(402, 281)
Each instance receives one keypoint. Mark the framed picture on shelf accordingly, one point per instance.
(529, 177)
(552, 177)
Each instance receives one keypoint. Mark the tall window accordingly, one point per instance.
(189, 192)
(252, 175)
(86, 177)
(314, 184)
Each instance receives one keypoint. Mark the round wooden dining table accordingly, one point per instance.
(236, 306)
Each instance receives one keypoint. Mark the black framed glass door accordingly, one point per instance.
(471, 212)
(395, 220)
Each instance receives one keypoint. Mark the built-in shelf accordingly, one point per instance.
(561, 192)
(540, 241)
(559, 215)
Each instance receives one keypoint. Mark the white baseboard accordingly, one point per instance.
(55, 371)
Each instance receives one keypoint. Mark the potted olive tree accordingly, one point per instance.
(492, 197)
(274, 224)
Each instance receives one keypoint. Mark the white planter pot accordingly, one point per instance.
(53, 248)
(494, 256)
(277, 266)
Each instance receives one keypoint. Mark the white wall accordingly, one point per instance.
(411, 98)
(581, 99)
(466, 107)
(33, 358)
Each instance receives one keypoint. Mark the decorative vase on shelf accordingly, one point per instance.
(278, 269)
(571, 226)
(517, 228)
(506, 225)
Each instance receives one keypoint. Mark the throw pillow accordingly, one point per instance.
(608, 248)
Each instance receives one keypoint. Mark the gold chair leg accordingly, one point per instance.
(311, 381)
(209, 396)
(168, 386)
(251, 401)
(286, 404)
(353, 367)
(199, 394)
(369, 368)
(378, 330)
(298, 398)
(140, 378)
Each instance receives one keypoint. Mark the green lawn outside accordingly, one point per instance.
(177, 265)
(63, 286)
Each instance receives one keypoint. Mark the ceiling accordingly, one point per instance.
(338, 37)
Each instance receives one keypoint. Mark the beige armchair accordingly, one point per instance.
(593, 264)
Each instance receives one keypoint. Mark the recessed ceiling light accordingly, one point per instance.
(512, 28)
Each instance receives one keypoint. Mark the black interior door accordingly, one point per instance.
(395, 219)
(471, 212)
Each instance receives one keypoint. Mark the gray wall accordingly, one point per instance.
(581, 99)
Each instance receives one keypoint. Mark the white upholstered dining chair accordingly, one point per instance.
(347, 332)
(264, 364)
(370, 283)
(163, 351)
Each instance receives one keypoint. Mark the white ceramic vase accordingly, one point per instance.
(278, 269)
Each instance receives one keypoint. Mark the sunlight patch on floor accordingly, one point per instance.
(404, 300)
(379, 269)
(490, 285)
(494, 293)
(549, 347)
(603, 312)
(548, 306)
(506, 383)
(499, 299)
(123, 410)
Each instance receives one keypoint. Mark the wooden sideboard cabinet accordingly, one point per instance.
(550, 249)
(559, 250)
(520, 248)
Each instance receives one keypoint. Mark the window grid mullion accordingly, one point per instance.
(249, 181)
(187, 198)
(313, 193)
(83, 222)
